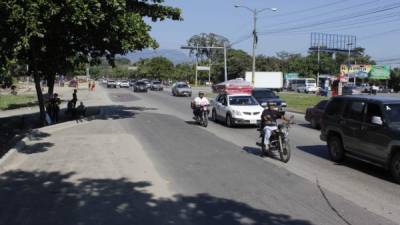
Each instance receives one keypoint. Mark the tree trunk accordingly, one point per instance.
(40, 98)
(50, 84)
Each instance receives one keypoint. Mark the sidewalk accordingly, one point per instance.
(15, 123)
(90, 173)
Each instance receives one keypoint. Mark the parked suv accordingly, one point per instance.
(365, 128)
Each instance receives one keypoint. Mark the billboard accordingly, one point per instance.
(359, 71)
(380, 72)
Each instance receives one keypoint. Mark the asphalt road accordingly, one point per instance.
(225, 162)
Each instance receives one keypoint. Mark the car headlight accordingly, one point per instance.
(236, 113)
(283, 104)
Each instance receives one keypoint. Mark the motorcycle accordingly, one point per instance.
(202, 117)
(279, 141)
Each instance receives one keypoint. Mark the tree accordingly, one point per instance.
(204, 40)
(46, 35)
(160, 68)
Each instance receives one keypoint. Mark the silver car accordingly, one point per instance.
(181, 89)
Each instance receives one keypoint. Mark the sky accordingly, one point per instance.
(375, 23)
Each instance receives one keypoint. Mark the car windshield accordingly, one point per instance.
(392, 113)
(140, 83)
(242, 100)
(156, 82)
(182, 86)
(264, 94)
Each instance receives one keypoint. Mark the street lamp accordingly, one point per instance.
(255, 13)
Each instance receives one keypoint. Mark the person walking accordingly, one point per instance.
(89, 85)
(93, 86)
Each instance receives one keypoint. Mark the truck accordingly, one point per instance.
(269, 80)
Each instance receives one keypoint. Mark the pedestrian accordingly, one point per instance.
(56, 101)
(89, 85)
(93, 86)
(74, 98)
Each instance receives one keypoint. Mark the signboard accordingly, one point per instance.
(380, 72)
(360, 71)
(291, 76)
(203, 68)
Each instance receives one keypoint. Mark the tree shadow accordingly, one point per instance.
(22, 105)
(36, 148)
(49, 198)
(321, 151)
(14, 128)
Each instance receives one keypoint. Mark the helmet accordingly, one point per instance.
(201, 93)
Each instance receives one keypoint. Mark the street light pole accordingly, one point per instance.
(255, 13)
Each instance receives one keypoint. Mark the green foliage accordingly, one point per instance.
(204, 40)
(47, 34)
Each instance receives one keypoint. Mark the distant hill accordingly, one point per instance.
(175, 56)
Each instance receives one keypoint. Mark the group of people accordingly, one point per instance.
(91, 85)
(74, 110)
(53, 107)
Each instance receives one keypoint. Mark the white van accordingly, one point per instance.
(304, 85)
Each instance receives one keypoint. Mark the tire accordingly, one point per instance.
(336, 150)
(395, 167)
(205, 120)
(214, 115)
(313, 123)
(284, 151)
(173, 94)
(228, 120)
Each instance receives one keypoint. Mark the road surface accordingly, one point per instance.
(225, 162)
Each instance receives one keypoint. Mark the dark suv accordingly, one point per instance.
(267, 96)
(366, 128)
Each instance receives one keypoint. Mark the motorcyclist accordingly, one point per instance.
(199, 102)
(268, 122)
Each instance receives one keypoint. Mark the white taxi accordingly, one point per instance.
(236, 109)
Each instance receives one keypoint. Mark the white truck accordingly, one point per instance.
(270, 80)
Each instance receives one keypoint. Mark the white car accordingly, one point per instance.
(308, 89)
(124, 83)
(236, 109)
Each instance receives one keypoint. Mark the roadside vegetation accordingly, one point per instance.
(17, 101)
(299, 102)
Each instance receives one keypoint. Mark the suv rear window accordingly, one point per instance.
(354, 110)
(335, 107)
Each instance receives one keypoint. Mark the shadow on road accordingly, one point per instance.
(322, 152)
(49, 198)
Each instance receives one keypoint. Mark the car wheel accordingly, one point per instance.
(395, 167)
(214, 115)
(228, 121)
(336, 150)
(314, 123)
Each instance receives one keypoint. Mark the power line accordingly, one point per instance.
(335, 19)
(321, 14)
(306, 10)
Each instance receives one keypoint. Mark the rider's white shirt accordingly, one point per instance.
(201, 101)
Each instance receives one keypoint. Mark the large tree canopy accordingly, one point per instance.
(51, 35)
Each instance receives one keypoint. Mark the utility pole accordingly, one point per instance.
(253, 73)
(255, 12)
(319, 60)
(225, 64)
